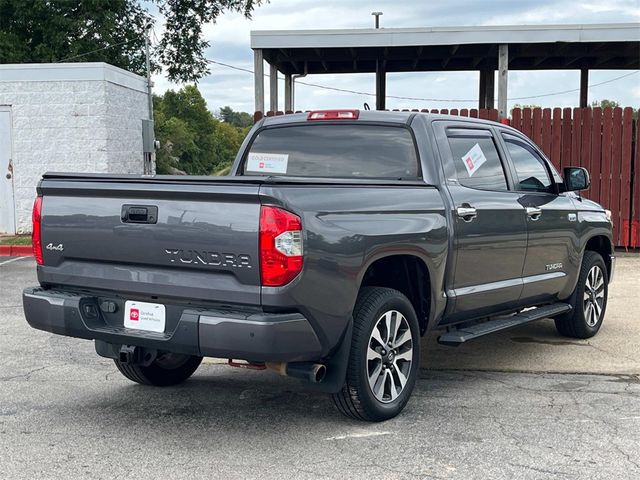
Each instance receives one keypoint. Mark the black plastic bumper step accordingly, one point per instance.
(457, 336)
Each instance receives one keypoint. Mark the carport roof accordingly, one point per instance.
(531, 47)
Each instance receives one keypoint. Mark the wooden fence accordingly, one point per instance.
(604, 141)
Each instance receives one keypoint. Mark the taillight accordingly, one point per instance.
(36, 241)
(281, 254)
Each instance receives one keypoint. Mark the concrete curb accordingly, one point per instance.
(16, 251)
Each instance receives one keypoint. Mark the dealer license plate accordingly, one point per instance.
(144, 316)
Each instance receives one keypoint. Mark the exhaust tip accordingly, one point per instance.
(318, 373)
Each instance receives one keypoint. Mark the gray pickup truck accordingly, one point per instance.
(339, 238)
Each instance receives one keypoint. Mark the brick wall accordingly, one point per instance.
(71, 126)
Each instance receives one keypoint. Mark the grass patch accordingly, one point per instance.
(16, 240)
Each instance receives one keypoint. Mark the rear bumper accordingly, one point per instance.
(250, 335)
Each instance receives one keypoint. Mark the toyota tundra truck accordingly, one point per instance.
(339, 238)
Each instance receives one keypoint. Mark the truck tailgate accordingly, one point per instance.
(196, 240)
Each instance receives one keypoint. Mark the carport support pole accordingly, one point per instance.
(288, 93)
(381, 85)
(584, 88)
(273, 88)
(258, 79)
(486, 88)
(503, 77)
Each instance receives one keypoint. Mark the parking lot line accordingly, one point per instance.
(11, 260)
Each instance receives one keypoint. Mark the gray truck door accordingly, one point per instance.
(489, 222)
(551, 223)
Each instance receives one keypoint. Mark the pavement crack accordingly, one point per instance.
(22, 375)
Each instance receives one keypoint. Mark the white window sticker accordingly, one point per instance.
(267, 162)
(474, 159)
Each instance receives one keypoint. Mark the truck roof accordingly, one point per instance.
(382, 116)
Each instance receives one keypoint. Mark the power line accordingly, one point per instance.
(96, 50)
(450, 100)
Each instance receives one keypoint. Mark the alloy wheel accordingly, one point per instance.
(389, 356)
(593, 300)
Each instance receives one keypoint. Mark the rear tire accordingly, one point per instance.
(167, 369)
(384, 358)
(588, 300)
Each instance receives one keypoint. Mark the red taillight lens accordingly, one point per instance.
(281, 254)
(333, 115)
(36, 241)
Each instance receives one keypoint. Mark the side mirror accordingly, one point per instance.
(576, 178)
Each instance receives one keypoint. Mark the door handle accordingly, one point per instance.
(139, 214)
(466, 213)
(534, 213)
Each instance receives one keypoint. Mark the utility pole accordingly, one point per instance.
(377, 15)
(148, 131)
(148, 62)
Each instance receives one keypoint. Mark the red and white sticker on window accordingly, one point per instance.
(267, 162)
(474, 159)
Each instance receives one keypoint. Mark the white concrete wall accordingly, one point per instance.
(67, 118)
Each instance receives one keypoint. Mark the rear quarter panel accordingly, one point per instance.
(347, 228)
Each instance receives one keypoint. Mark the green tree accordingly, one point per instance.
(192, 140)
(39, 31)
(604, 103)
(112, 31)
(237, 119)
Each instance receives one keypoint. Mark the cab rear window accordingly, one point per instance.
(338, 151)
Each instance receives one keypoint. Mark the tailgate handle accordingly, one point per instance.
(139, 214)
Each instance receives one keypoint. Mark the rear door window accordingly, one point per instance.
(477, 162)
(335, 150)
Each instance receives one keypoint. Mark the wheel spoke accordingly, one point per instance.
(380, 386)
(587, 311)
(396, 327)
(600, 294)
(404, 338)
(401, 376)
(375, 335)
(387, 322)
(598, 309)
(406, 355)
(373, 355)
(375, 376)
(586, 296)
(599, 282)
(393, 391)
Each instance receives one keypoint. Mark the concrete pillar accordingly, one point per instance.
(288, 93)
(381, 86)
(503, 77)
(273, 88)
(258, 79)
(584, 88)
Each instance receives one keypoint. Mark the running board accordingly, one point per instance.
(457, 336)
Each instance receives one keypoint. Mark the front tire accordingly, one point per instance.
(588, 300)
(384, 358)
(167, 369)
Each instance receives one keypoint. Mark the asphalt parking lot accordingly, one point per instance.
(522, 404)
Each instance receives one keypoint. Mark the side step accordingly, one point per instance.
(457, 336)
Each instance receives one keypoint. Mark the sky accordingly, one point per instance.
(230, 43)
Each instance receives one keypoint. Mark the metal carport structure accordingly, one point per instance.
(485, 49)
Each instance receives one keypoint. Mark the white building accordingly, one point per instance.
(65, 117)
